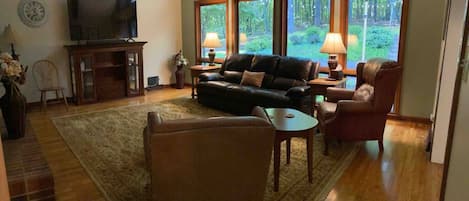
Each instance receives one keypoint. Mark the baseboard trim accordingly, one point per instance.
(399, 117)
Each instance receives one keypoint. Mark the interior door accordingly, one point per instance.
(456, 174)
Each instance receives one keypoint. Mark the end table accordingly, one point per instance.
(196, 71)
(319, 87)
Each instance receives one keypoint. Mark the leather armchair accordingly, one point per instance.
(343, 117)
(223, 158)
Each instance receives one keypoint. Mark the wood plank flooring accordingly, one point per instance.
(402, 173)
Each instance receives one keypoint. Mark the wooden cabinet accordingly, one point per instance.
(106, 71)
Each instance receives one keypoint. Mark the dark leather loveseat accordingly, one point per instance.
(284, 84)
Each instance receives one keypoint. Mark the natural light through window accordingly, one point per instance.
(212, 19)
(307, 25)
(373, 30)
(255, 26)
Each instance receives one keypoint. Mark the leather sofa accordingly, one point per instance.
(343, 117)
(223, 158)
(284, 83)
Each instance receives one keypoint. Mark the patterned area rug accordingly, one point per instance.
(109, 145)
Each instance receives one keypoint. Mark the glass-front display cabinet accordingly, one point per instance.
(106, 71)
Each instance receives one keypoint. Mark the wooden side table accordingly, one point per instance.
(196, 71)
(319, 87)
(290, 123)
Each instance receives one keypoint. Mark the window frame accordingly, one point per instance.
(324, 67)
(198, 28)
(344, 18)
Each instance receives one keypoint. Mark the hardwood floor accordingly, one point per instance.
(401, 173)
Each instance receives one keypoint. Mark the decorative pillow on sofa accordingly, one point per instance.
(252, 78)
(364, 93)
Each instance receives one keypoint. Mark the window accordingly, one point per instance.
(212, 20)
(373, 30)
(308, 21)
(255, 23)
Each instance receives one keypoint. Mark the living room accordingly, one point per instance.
(119, 92)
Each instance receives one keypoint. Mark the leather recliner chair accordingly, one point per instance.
(223, 158)
(351, 115)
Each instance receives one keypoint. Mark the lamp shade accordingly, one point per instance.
(333, 44)
(243, 38)
(8, 35)
(211, 40)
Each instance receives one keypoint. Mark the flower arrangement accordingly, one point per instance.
(11, 70)
(180, 60)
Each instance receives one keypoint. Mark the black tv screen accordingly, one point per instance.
(102, 19)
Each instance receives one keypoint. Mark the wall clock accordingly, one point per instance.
(33, 13)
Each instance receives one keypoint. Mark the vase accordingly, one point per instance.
(13, 105)
(180, 77)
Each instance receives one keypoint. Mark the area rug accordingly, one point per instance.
(109, 145)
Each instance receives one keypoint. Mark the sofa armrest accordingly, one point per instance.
(335, 94)
(299, 91)
(350, 106)
(210, 77)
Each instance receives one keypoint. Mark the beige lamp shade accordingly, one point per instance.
(8, 35)
(211, 40)
(243, 38)
(333, 44)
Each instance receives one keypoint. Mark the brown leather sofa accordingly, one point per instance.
(284, 84)
(353, 115)
(224, 158)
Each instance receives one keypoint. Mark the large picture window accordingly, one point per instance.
(255, 23)
(373, 30)
(213, 20)
(308, 21)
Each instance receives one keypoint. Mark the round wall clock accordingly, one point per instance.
(33, 13)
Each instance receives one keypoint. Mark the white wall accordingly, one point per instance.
(159, 23)
(447, 78)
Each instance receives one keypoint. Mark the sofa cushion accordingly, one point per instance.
(239, 92)
(237, 62)
(252, 78)
(294, 68)
(270, 97)
(283, 83)
(264, 63)
(233, 76)
(364, 93)
(213, 87)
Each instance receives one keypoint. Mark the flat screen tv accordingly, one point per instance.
(102, 19)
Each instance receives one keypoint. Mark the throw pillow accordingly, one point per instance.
(364, 93)
(252, 78)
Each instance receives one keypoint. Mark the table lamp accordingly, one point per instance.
(9, 38)
(333, 45)
(211, 41)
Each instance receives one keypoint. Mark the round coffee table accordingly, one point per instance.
(291, 123)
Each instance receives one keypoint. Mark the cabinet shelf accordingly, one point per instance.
(108, 65)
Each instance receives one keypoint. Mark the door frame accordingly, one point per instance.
(454, 107)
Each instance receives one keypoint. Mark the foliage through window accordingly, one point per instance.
(255, 26)
(373, 30)
(307, 25)
(212, 19)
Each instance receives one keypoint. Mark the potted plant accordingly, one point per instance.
(13, 103)
(180, 62)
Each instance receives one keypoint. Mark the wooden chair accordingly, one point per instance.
(46, 77)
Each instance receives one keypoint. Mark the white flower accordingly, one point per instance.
(6, 56)
(4, 66)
